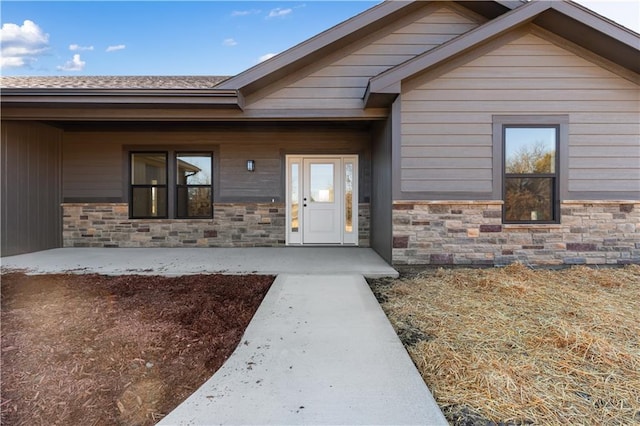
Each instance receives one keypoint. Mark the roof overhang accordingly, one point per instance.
(129, 98)
(566, 19)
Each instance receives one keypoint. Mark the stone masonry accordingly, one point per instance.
(233, 225)
(472, 233)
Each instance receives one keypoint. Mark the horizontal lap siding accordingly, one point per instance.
(91, 168)
(94, 163)
(339, 81)
(447, 121)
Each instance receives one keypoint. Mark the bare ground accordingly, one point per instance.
(91, 349)
(516, 346)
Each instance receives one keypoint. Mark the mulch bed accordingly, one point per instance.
(92, 349)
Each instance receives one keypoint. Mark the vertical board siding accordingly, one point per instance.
(95, 162)
(381, 197)
(447, 121)
(343, 76)
(31, 218)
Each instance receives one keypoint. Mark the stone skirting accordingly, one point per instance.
(472, 233)
(233, 225)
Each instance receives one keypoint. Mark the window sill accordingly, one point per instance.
(515, 226)
(170, 219)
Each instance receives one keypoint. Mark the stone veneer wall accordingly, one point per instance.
(472, 233)
(233, 225)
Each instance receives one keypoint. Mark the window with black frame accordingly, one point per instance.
(148, 185)
(530, 174)
(194, 189)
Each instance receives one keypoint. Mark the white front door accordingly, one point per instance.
(322, 200)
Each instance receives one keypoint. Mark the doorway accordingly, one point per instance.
(322, 200)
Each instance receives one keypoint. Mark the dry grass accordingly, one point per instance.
(521, 346)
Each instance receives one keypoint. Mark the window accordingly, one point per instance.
(530, 183)
(149, 184)
(192, 191)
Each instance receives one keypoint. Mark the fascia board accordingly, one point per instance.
(209, 98)
(313, 44)
(597, 22)
(390, 80)
(512, 4)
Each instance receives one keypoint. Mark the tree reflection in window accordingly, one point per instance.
(194, 190)
(530, 174)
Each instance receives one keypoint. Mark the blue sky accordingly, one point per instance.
(177, 38)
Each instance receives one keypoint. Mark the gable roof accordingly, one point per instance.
(342, 34)
(564, 18)
(567, 19)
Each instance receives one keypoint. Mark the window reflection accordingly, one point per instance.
(321, 183)
(530, 150)
(295, 196)
(530, 173)
(193, 191)
(148, 185)
(348, 197)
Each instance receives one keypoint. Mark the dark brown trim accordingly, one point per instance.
(633, 196)
(69, 112)
(445, 196)
(93, 200)
(142, 97)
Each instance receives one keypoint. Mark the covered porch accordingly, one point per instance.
(172, 261)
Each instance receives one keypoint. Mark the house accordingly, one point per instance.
(457, 132)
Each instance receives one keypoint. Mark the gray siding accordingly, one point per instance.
(31, 218)
(339, 80)
(95, 163)
(447, 120)
(381, 197)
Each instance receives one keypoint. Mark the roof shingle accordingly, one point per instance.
(112, 82)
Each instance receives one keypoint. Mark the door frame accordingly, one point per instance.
(294, 235)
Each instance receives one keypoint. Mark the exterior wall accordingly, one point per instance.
(95, 162)
(30, 187)
(340, 79)
(233, 225)
(381, 197)
(446, 143)
(472, 233)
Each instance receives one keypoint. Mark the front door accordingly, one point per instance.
(322, 200)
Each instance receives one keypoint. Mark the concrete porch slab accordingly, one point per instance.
(183, 261)
(319, 351)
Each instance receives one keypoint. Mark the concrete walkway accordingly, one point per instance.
(184, 261)
(319, 351)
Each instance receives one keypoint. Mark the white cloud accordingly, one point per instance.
(76, 64)
(78, 48)
(266, 57)
(245, 12)
(22, 44)
(279, 12)
(229, 42)
(116, 48)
